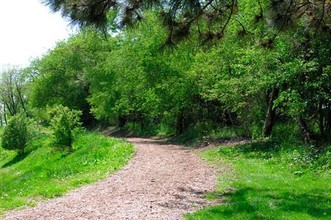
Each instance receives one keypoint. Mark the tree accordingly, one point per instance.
(212, 16)
(15, 135)
(13, 91)
(259, 63)
(63, 122)
(62, 77)
(143, 82)
(306, 96)
(120, 90)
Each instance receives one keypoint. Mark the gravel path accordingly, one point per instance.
(162, 181)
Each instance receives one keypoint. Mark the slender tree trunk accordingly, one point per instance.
(5, 113)
(321, 122)
(11, 112)
(13, 104)
(328, 122)
(180, 123)
(271, 115)
(19, 93)
(307, 135)
(142, 125)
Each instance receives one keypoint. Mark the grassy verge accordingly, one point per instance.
(267, 181)
(44, 172)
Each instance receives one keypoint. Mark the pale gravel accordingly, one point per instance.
(162, 181)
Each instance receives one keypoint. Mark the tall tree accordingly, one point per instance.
(180, 16)
(13, 91)
(61, 74)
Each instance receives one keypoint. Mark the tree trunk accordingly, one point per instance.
(142, 124)
(271, 115)
(321, 120)
(328, 123)
(122, 120)
(307, 135)
(13, 104)
(180, 123)
(5, 113)
(20, 98)
(11, 112)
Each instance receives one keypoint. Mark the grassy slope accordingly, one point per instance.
(45, 172)
(270, 183)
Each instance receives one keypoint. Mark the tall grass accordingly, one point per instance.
(46, 172)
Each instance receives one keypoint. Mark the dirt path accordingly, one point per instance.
(162, 181)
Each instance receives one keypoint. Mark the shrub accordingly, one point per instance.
(15, 135)
(63, 123)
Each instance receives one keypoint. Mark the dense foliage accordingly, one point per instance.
(191, 69)
(63, 123)
(257, 75)
(181, 17)
(15, 135)
(250, 66)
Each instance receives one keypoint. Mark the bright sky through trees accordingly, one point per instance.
(27, 30)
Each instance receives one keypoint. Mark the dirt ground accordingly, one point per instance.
(162, 181)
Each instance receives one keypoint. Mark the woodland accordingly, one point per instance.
(188, 70)
(176, 66)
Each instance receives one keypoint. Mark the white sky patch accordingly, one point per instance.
(28, 30)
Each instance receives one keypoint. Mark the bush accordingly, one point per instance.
(63, 123)
(15, 135)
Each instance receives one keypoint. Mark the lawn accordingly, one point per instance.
(46, 172)
(266, 181)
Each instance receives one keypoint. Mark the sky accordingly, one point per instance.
(28, 30)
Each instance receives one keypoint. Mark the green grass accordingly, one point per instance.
(266, 181)
(46, 172)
